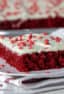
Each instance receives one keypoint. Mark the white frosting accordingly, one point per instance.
(59, 33)
(30, 9)
(38, 46)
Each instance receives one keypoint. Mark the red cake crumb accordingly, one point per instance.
(58, 39)
(46, 41)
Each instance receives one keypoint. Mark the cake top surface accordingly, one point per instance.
(29, 43)
(30, 9)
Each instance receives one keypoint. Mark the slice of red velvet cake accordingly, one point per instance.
(32, 52)
(16, 14)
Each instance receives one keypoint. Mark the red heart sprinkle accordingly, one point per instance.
(58, 39)
(46, 41)
(30, 36)
(13, 41)
(21, 44)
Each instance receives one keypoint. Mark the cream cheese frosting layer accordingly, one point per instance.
(29, 43)
(30, 9)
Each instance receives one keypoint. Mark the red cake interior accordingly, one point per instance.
(34, 61)
(48, 23)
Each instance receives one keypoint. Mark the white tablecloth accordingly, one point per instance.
(15, 91)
